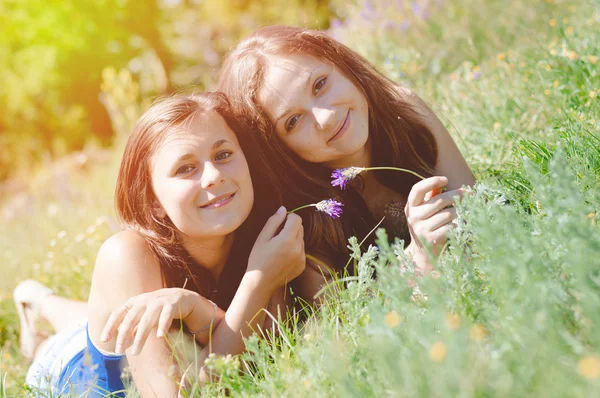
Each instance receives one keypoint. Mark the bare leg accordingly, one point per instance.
(34, 300)
(62, 312)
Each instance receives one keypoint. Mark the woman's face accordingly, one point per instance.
(317, 112)
(201, 178)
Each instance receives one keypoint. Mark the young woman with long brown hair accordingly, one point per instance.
(313, 106)
(184, 197)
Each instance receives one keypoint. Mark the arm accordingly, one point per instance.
(315, 276)
(126, 267)
(450, 162)
(265, 274)
(429, 213)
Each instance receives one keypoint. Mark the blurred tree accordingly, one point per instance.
(53, 52)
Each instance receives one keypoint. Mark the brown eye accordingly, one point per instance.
(223, 155)
(185, 169)
(291, 122)
(319, 84)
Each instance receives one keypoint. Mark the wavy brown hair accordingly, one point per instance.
(398, 135)
(135, 199)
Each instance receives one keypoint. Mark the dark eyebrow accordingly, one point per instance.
(306, 85)
(219, 143)
(215, 146)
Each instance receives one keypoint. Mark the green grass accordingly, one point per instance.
(514, 310)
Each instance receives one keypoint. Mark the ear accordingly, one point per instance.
(158, 210)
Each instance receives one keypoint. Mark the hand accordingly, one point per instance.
(429, 213)
(144, 312)
(278, 257)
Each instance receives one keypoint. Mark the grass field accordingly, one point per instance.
(514, 308)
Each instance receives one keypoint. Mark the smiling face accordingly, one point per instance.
(316, 110)
(201, 178)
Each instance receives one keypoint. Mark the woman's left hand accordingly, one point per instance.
(135, 319)
(430, 214)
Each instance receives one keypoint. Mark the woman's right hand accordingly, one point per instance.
(278, 257)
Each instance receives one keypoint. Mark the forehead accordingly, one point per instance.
(284, 76)
(197, 134)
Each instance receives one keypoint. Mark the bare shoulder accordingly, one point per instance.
(125, 267)
(125, 247)
(450, 162)
(417, 103)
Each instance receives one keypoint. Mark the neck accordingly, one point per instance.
(212, 252)
(360, 158)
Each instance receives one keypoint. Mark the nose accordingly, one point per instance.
(211, 176)
(324, 118)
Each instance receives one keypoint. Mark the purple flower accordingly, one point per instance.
(330, 206)
(342, 177)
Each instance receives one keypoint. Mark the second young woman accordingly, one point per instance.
(314, 106)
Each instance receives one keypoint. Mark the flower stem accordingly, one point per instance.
(398, 169)
(300, 208)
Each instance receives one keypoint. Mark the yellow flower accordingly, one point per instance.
(553, 52)
(453, 321)
(589, 367)
(477, 332)
(572, 55)
(593, 59)
(391, 319)
(552, 22)
(476, 68)
(497, 125)
(555, 84)
(306, 383)
(6, 356)
(547, 92)
(591, 215)
(548, 67)
(592, 94)
(438, 352)
(501, 57)
(569, 31)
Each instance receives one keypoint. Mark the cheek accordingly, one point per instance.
(174, 196)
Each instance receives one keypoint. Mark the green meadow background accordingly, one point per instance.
(514, 307)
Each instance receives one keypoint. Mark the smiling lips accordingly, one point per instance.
(219, 201)
(343, 128)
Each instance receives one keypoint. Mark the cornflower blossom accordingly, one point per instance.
(331, 207)
(342, 177)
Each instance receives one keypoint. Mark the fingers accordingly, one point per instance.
(436, 204)
(300, 234)
(292, 226)
(271, 226)
(126, 330)
(150, 318)
(420, 189)
(164, 322)
(114, 321)
(440, 235)
(440, 219)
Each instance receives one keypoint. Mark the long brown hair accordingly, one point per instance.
(135, 199)
(398, 135)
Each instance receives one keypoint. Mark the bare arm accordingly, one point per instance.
(126, 267)
(430, 213)
(450, 162)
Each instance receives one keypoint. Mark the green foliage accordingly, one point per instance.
(52, 54)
